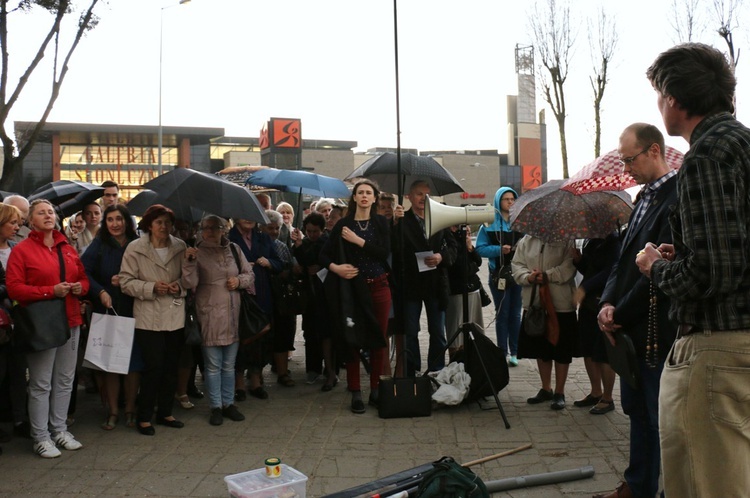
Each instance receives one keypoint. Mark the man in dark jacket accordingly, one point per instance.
(429, 286)
(628, 306)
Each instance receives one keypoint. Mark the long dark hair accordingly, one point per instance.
(352, 209)
(127, 218)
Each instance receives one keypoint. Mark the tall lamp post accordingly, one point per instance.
(161, 57)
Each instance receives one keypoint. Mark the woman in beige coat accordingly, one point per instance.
(150, 272)
(211, 269)
(537, 262)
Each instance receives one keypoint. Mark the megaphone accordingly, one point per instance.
(437, 216)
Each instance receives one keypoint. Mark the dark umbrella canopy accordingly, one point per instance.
(556, 215)
(384, 170)
(185, 188)
(147, 198)
(70, 195)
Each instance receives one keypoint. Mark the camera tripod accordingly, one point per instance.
(468, 329)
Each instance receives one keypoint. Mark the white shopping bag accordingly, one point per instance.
(110, 343)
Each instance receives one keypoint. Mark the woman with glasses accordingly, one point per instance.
(211, 270)
(497, 242)
(150, 273)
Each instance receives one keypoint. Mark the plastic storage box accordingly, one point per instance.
(254, 484)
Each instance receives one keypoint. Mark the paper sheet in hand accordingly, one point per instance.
(421, 256)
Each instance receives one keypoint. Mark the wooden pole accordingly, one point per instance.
(497, 455)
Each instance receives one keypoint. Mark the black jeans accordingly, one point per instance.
(161, 354)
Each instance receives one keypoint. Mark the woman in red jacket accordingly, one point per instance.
(33, 274)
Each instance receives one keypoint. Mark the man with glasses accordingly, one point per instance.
(630, 305)
(704, 407)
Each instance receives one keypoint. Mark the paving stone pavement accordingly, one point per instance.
(316, 433)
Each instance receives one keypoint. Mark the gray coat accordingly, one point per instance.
(217, 307)
(141, 268)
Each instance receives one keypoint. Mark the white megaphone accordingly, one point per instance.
(437, 216)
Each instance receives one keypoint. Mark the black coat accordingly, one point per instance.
(349, 301)
(628, 289)
(418, 285)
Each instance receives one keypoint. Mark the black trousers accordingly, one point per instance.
(161, 355)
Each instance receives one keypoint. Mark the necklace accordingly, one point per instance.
(363, 228)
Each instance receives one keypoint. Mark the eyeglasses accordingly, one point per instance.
(627, 161)
(212, 229)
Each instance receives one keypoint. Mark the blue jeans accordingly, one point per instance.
(642, 406)
(436, 329)
(219, 373)
(507, 316)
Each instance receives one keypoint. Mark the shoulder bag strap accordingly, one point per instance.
(236, 257)
(533, 295)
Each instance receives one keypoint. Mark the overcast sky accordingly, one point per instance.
(235, 63)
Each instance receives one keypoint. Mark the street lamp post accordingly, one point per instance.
(161, 58)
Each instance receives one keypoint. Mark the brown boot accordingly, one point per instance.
(622, 491)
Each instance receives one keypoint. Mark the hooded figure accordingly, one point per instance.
(497, 242)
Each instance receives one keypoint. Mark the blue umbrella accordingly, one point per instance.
(299, 182)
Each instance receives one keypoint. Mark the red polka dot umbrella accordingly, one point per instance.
(606, 173)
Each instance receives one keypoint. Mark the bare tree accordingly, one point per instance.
(687, 21)
(724, 14)
(554, 41)
(60, 11)
(602, 51)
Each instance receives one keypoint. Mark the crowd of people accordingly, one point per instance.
(673, 280)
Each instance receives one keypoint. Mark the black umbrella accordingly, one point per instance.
(189, 188)
(384, 170)
(147, 198)
(70, 195)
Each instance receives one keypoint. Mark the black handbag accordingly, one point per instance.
(289, 297)
(404, 397)
(193, 335)
(253, 321)
(42, 325)
(535, 318)
(623, 359)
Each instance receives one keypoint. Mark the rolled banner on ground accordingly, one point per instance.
(540, 479)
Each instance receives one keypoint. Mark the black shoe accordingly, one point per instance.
(146, 431)
(373, 400)
(22, 430)
(540, 397)
(558, 402)
(195, 393)
(603, 407)
(358, 406)
(328, 386)
(589, 400)
(259, 393)
(240, 395)
(174, 423)
(4, 437)
(232, 413)
(216, 417)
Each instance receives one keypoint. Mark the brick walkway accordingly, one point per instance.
(315, 433)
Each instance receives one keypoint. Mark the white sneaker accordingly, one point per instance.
(46, 449)
(67, 441)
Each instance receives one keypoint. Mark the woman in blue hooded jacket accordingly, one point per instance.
(497, 243)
